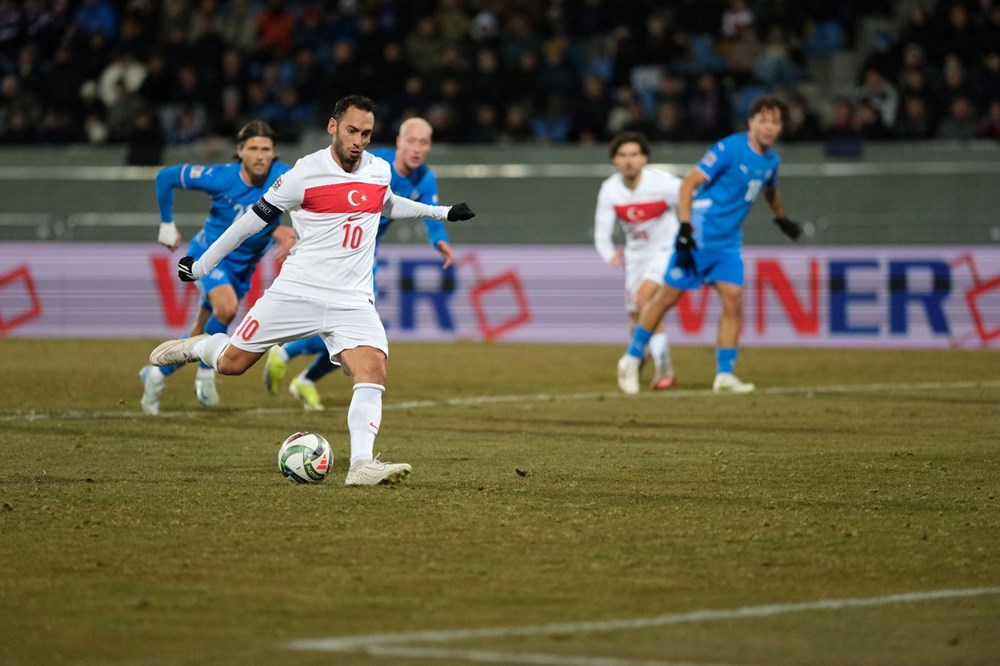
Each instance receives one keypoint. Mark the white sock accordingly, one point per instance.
(659, 349)
(204, 372)
(211, 349)
(364, 417)
(302, 377)
(155, 375)
(282, 354)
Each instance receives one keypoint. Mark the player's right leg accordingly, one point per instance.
(659, 346)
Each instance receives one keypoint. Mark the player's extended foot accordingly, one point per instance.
(305, 390)
(628, 374)
(275, 368)
(375, 472)
(204, 388)
(727, 382)
(663, 381)
(173, 352)
(151, 391)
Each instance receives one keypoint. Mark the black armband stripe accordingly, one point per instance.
(266, 211)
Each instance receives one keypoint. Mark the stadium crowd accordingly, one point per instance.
(148, 72)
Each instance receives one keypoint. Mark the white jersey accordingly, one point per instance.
(335, 215)
(648, 217)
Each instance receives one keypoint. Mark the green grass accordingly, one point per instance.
(174, 540)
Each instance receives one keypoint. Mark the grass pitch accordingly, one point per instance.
(540, 496)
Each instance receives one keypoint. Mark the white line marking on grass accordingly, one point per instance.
(76, 414)
(376, 643)
(525, 658)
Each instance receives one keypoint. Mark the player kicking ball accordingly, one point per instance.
(334, 198)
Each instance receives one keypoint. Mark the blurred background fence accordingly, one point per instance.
(900, 193)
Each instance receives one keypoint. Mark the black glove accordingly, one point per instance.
(683, 257)
(184, 269)
(791, 229)
(460, 212)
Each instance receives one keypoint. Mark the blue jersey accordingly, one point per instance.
(420, 185)
(736, 176)
(230, 198)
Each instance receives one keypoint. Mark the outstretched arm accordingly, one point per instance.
(246, 225)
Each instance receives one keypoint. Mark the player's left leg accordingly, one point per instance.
(730, 325)
(358, 340)
(659, 344)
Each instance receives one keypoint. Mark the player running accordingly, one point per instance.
(233, 188)
(708, 248)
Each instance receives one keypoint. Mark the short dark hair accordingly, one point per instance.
(767, 102)
(357, 101)
(252, 129)
(628, 137)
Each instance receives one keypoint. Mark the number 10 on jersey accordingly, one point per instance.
(352, 236)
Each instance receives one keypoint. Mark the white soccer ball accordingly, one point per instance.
(305, 457)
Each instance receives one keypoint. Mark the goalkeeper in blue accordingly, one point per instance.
(715, 198)
(411, 179)
(233, 188)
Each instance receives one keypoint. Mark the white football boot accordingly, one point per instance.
(151, 390)
(375, 472)
(628, 374)
(204, 388)
(173, 352)
(727, 382)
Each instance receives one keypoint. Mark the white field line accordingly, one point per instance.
(377, 643)
(76, 414)
(517, 658)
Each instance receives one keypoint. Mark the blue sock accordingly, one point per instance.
(168, 370)
(725, 359)
(320, 368)
(640, 338)
(213, 326)
(313, 345)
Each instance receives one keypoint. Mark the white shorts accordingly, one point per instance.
(649, 266)
(278, 318)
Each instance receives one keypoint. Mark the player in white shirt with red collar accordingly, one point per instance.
(335, 198)
(644, 200)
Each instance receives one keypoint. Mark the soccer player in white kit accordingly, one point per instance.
(334, 198)
(644, 200)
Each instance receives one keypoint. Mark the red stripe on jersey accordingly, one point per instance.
(641, 212)
(344, 198)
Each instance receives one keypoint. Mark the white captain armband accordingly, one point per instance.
(266, 211)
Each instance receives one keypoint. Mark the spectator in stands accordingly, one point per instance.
(916, 121)
(960, 122)
(709, 109)
(989, 126)
(802, 123)
(881, 95)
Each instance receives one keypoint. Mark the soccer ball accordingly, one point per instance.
(305, 457)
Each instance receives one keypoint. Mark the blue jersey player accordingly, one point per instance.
(715, 198)
(411, 178)
(233, 187)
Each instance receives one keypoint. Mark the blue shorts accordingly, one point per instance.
(725, 265)
(237, 276)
